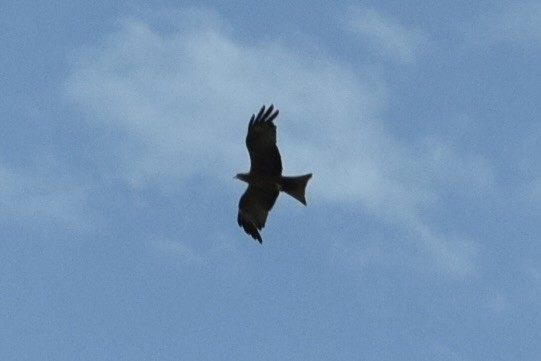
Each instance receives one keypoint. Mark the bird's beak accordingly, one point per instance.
(235, 177)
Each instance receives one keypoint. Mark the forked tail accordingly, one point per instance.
(296, 186)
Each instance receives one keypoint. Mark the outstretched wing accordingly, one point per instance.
(261, 143)
(254, 207)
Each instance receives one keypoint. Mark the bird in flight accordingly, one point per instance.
(265, 180)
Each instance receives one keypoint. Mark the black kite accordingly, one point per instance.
(265, 180)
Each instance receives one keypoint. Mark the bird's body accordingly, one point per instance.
(265, 180)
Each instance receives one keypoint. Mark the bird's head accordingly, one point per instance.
(242, 176)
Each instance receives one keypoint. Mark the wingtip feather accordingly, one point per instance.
(260, 114)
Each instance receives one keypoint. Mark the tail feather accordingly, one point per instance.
(296, 186)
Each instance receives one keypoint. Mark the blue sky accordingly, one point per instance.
(122, 125)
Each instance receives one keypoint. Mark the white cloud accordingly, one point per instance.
(515, 23)
(179, 250)
(436, 253)
(533, 271)
(450, 167)
(41, 197)
(449, 254)
(531, 191)
(441, 351)
(497, 303)
(215, 253)
(387, 34)
(180, 101)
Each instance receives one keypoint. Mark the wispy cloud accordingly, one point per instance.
(220, 255)
(514, 23)
(449, 254)
(179, 250)
(441, 351)
(441, 254)
(180, 100)
(38, 196)
(387, 34)
(497, 303)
